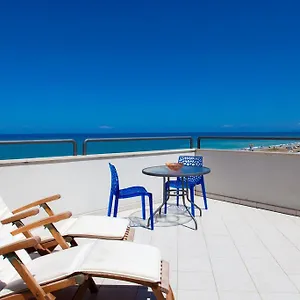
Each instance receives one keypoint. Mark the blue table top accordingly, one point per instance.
(185, 171)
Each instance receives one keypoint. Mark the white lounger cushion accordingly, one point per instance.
(85, 226)
(95, 226)
(100, 257)
(88, 226)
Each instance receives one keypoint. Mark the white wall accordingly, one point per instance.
(83, 182)
(272, 178)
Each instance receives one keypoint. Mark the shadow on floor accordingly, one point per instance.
(111, 292)
(176, 215)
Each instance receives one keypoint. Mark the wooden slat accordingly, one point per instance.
(23, 244)
(20, 216)
(30, 281)
(47, 209)
(43, 222)
(64, 283)
(37, 203)
(57, 236)
(51, 287)
(170, 294)
(17, 297)
(158, 293)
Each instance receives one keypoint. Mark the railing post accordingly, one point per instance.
(84, 147)
(191, 143)
(198, 142)
(74, 147)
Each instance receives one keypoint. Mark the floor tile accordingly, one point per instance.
(234, 281)
(196, 281)
(197, 295)
(201, 264)
(280, 296)
(267, 282)
(239, 296)
(295, 278)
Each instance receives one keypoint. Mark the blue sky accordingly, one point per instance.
(117, 66)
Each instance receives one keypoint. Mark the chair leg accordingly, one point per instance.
(116, 206)
(177, 197)
(79, 294)
(151, 211)
(192, 201)
(143, 207)
(92, 286)
(111, 196)
(170, 295)
(158, 293)
(204, 193)
(165, 194)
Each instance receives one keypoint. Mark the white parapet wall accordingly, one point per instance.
(263, 178)
(83, 181)
(266, 180)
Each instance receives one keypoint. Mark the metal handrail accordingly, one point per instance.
(59, 141)
(84, 148)
(283, 138)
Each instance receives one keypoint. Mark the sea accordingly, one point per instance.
(17, 151)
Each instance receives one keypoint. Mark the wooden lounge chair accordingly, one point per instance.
(89, 226)
(39, 278)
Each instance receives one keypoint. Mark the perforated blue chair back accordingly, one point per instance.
(133, 191)
(114, 189)
(192, 161)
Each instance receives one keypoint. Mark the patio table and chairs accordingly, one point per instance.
(185, 180)
(190, 175)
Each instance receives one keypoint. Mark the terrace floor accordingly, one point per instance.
(237, 253)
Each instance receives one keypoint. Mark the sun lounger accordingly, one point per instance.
(89, 226)
(140, 264)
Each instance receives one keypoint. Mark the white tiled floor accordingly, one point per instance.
(237, 253)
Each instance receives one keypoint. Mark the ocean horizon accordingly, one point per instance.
(48, 150)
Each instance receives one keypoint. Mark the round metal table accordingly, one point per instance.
(185, 172)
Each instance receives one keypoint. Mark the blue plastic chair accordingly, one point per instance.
(192, 181)
(129, 192)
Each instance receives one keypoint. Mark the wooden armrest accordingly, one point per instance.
(37, 203)
(20, 216)
(43, 222)
(12, 247)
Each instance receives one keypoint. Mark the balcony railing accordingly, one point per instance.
(71, 142)
(248, 138)
(135, 139)
(134, 144)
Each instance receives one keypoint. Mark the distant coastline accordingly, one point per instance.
(282, 148)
